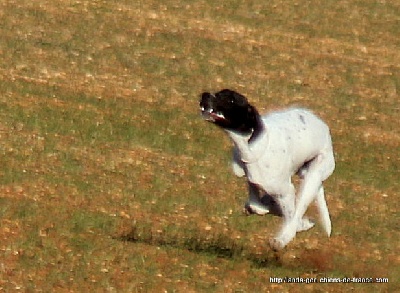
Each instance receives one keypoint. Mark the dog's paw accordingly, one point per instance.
(251, 209)
(284, 237)
(305, 224)
(280, 242)
(276, 244)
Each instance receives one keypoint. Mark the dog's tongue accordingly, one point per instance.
(217, 116)
(211, 115)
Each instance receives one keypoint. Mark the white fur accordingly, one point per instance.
(290, 139)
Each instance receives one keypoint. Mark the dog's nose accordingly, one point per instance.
(206, 101)
(206, 97)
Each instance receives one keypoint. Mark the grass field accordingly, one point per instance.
(111, 182)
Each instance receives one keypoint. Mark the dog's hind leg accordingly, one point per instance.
(323, 211)
(306, 224)
(310, 189)
(307, 194)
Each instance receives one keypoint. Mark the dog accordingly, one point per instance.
(269, 150)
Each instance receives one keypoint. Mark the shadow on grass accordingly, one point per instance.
(193, 240)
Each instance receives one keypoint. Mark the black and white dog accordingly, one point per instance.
(269, 150)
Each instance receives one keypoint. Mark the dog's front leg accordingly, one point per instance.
(254, 204)
(286, 205)
(290, 225)
(309, 189)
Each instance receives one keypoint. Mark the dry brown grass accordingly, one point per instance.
(111, 182)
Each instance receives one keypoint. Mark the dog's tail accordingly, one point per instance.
(323, 211)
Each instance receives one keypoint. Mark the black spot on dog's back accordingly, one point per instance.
(301, 117)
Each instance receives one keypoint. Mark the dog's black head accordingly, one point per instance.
(230, 110)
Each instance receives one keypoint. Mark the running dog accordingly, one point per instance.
(269, 150)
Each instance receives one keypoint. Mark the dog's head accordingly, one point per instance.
(230, 110)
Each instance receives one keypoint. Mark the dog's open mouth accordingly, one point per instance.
(211, 115)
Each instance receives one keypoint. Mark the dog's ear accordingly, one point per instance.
(240, 99)
(252, 116)
(254, 122)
